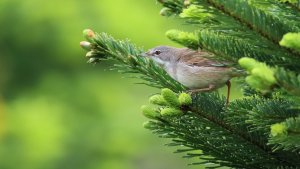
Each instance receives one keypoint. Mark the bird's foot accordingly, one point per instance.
(228, 84)
(209, 88)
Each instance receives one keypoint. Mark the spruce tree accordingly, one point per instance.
(260, 130)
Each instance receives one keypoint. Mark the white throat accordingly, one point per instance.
(159, 61)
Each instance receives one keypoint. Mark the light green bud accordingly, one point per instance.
(291, 40)
(148, 125)
(89, 35)
(149, 112)
(170, 112)
(185, 38)
(261, 76)
(166, 12)
(185, 99)
(257, 83)
(170, 97)
(90, 54)
(278, 129)
(158, 100)
(187, 2)
(196, 11)
(248, 63)
(265, 73)
(86, 45)
(92, 60)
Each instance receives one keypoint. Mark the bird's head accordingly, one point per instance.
(162, 54)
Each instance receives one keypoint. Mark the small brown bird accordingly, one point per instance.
(194, 69)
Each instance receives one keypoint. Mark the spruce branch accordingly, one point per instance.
(265, 78)
(258, 131)
(268, 112)
(128, 59)
(267, 17)
(229, 40)
(205, 112)
(293, 3)
(271, 19)
(280, 115)
(288, 80)
(286, 135)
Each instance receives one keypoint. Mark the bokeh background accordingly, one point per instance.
(56, 111)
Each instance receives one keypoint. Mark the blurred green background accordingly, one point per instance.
(56, 111)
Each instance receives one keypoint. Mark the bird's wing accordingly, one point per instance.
(200, 59)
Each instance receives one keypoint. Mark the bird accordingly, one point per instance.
(195, 69)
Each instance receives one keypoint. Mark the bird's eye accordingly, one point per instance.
(157, 52)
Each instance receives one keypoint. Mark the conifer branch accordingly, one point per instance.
(201, 122)
(292, 3)
(267, 17)
(261, 130)
(128, 59)
(288, 80)
(272, 20)
(286, 135)
(229, 40)
(206, 109)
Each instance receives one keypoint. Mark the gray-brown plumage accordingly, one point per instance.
(194, 69)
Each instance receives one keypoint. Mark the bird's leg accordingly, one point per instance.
(228, 84)
(212, 87)
(209, 88)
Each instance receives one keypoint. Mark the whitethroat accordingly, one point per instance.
(194, 69)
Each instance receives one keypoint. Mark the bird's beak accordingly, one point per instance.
(145, 54)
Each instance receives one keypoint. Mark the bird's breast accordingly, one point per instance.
(195, 77)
